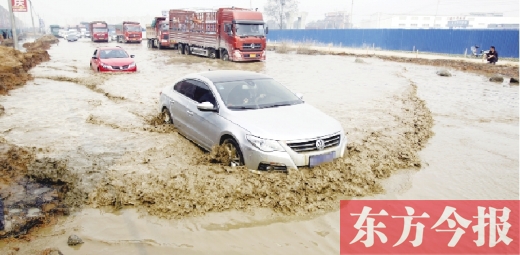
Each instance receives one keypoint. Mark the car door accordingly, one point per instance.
(184, 109)
(93, 62)
(207, 124)
(175, 105)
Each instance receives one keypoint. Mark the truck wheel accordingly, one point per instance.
(149, 44)
(187, 50)
(154, 43)
(159, 45)
(180, 48)
(212, 54)
(225, 56)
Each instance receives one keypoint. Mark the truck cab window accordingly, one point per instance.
(227, 29)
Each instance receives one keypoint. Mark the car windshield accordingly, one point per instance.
(249, 29)
(106, 54)
(133, 28)
(100, 30)
(255, 94)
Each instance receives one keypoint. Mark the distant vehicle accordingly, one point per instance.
(231, 34)
(55, 30)
(87, 34)
(158, 34)
(237, 109)
(131, 32)
(72, 37)
(112, 59)
(112, 35)
(99, 31)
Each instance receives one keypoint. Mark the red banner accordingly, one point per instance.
(19, 5)
(429, 227)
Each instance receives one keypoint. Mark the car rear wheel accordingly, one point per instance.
(166, 116)
(235, 155)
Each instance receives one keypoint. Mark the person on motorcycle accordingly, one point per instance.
(492, 55)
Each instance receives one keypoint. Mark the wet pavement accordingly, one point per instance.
(147, 190)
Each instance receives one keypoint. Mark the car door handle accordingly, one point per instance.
(189, 112)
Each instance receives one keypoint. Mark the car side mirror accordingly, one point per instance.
(206, 107)
(132, 56)
(300, 96)
(267, 30)
(94, 57)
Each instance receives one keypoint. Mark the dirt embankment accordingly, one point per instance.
(461, 65)
(209, 187)
(32, 189)
(14, 64)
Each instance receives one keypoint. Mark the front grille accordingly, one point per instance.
(125, 67)
(310, 145)
(116, 67)
(251, 46)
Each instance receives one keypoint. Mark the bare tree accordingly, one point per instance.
(278, 10)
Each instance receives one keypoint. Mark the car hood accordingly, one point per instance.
(117, 61)
(293, 122)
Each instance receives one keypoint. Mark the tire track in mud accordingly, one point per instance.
(91, 82)
(172, 188)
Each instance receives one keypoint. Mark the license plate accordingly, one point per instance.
(320, 159)
(252, 55)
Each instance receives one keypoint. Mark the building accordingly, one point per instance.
(471, 20)
(332, 20)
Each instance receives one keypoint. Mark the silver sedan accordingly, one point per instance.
(264, 124)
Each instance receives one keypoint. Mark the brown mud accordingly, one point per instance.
(42, 43)
(461, 65)
(211, 186)
(14, 66)
(33, 189)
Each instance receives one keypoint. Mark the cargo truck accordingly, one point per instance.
(157, 34)
(55, 30)
(99, 31)
(231, 34)
(130, 32)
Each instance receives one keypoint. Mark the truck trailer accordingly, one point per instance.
(157, 34)
(130, 32)
(231, 34)
(55, 30)
(99, 31)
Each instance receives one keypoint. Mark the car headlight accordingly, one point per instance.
(106, 66)
(131, 65)
(264, 144)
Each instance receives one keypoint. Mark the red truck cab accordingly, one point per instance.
(242, 33)
(99, 30)
(132, 32)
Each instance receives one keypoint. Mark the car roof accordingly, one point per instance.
(231, 75)
(110, 48)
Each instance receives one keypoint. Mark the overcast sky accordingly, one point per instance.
(64, 11)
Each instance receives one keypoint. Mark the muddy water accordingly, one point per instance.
(100, 124)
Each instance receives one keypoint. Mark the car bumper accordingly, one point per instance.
(256, 159)
(240, 56)
(130, 70)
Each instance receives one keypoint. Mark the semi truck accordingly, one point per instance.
(231, 34)
(99, 31)
(157, 34)
(55, 30)
(130, 32)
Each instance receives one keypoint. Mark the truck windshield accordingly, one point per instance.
(55, 29)
(133, 28)
(249, 29)
(100, 30)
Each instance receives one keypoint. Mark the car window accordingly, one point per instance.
(186, 88)
(203, 93)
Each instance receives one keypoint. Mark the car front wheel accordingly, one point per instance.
(233, 150)
(166, 116)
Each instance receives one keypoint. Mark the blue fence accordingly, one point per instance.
(450, 41)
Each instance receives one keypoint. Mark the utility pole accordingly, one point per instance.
(282, 2)
(435, 18)
(32, 18)
(13, 25)
(351, 14)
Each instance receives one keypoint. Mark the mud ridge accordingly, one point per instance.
(182, 191)
(14, 66)
(461, 65)
(91, 82)
(155, 124)
(33, 189)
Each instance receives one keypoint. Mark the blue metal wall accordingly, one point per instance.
(450, 41)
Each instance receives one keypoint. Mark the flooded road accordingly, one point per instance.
(148, 190)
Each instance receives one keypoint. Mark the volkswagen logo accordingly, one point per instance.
(252, 46)
(320, 144)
